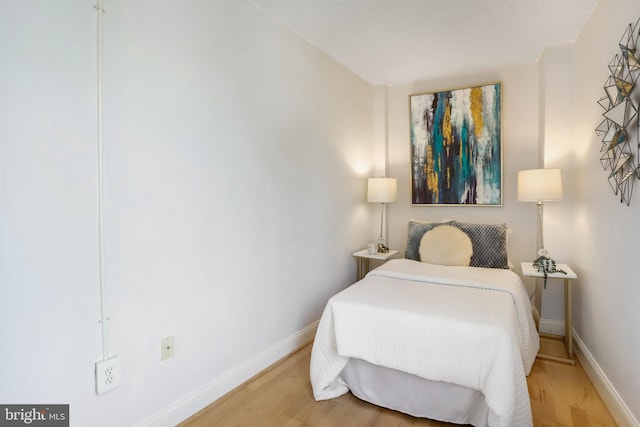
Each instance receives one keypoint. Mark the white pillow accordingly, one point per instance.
(446, 245)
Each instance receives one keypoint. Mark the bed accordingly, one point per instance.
(446, 333)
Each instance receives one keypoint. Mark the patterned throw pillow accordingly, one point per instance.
(489, 242)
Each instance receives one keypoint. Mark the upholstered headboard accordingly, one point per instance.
(489, 241)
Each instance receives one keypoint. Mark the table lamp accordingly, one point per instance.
(381, 190)
(539, 186)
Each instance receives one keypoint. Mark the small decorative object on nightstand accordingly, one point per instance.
(546, 266)
(363, 257)
(530, 271)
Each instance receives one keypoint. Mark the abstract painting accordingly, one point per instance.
(456, 147)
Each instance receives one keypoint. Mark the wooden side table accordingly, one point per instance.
(530, 271)
(363, 257)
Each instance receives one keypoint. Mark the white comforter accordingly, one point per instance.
(463, 325)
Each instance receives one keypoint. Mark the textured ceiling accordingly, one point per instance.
(402, 41)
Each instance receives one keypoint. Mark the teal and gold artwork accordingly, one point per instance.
(456, 147)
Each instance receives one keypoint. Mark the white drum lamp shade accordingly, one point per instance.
(382, 190)
(539, 185)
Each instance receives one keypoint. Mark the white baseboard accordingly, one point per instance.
(188, 405)
(550, 326)
(619, 410)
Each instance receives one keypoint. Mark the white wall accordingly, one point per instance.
(520, 135)
(235, 162)
(606, 232)
(557, 90)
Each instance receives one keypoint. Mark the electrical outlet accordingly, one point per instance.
(167, 348)
(108, 374)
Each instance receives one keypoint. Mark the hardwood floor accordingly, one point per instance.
(561, 396)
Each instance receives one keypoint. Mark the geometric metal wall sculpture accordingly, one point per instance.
(620, 127)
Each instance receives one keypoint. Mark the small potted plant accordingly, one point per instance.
(546, 266)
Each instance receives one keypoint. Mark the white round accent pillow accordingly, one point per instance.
(446, 245)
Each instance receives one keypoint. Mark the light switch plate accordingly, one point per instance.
(167, 348)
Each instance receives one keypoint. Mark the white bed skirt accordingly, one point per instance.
(415, 396)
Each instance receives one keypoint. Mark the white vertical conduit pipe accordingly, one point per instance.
(104, 314)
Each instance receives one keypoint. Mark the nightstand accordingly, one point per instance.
(530, 271)
(363, 257)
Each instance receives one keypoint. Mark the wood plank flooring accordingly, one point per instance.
(561, 396)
